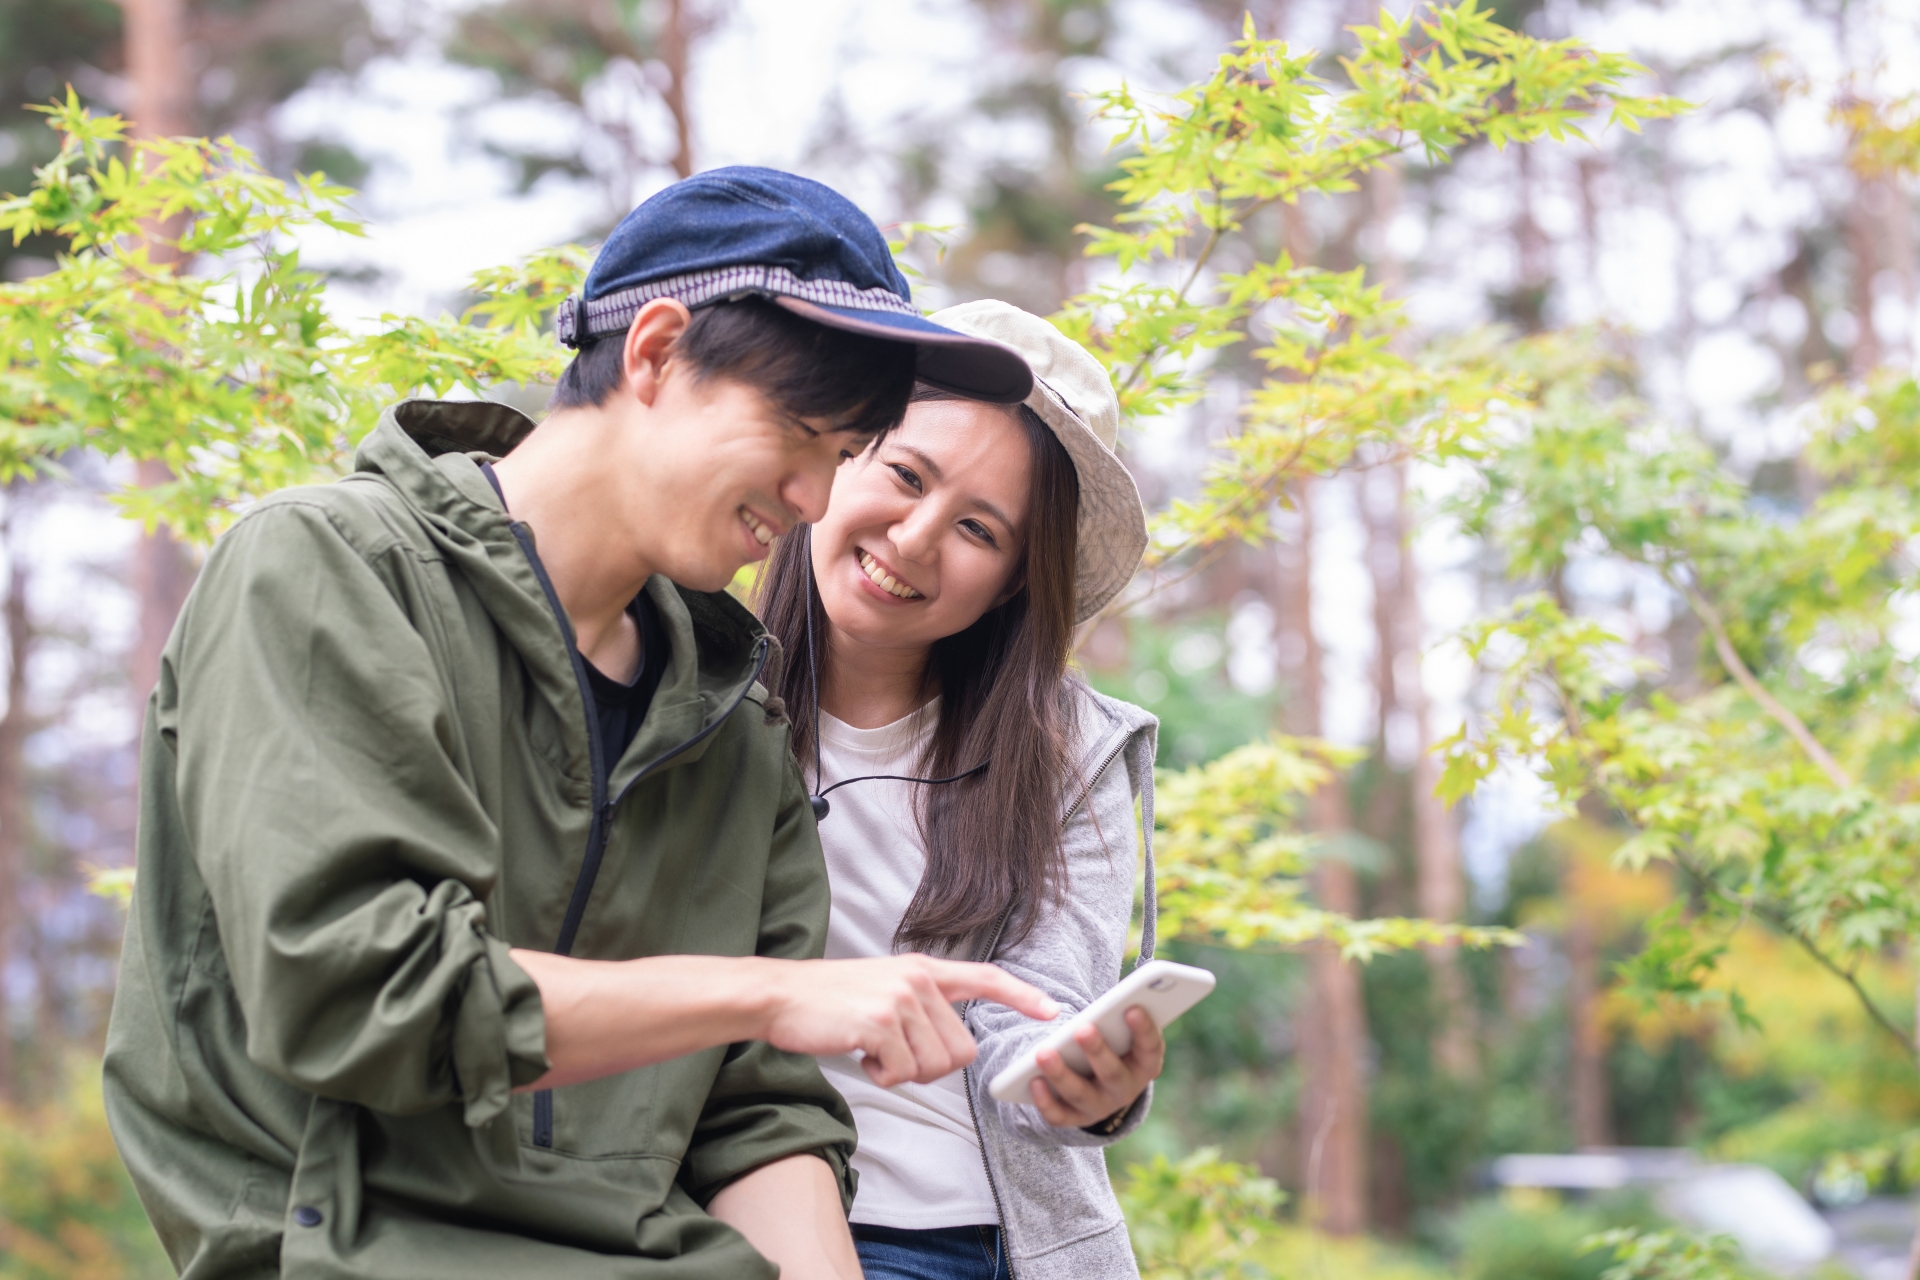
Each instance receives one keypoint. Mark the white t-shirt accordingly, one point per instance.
(919, 1158)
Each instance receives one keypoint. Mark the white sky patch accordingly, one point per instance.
(1727, 370)
(1253, 655)
(1904, 635)
(1507, 809)
(1343, 613)
(74, 545)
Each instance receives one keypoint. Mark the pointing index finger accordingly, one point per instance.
(961, 980)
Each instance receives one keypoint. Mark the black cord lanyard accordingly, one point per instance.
(819, 799)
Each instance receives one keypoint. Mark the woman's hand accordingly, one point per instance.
(1069, 1100)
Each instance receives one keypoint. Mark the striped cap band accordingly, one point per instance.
(580, 320)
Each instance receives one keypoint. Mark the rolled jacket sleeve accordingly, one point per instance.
(345, 850)
(767, 1104)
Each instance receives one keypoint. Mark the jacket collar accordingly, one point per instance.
(726, 640)
(430, 451)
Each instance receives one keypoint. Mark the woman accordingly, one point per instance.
(932, 610)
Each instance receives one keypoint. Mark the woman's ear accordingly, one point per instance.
(1015, 585)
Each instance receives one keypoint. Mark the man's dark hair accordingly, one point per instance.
(860, 384)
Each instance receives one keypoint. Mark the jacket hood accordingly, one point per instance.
(429, 452)
(1103, 725)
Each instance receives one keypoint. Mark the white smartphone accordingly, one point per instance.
(1163, 989)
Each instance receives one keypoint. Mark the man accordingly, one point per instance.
(478, 892)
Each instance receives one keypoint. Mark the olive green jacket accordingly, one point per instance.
(368, 771)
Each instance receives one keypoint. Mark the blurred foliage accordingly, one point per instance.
(1025, 204)
(1300, 1253)
(1668, 1255)
(1197, 1219)
(1233, 861)
(613, 66)
(1533, 1235)
(1809, 1028)
(1178, 672)
(44, 47)
(1828, 1082)
(1816, 1080)
(1780, 789)
(247, 56)
(1795, 1140)
(1888, 1166)
(67, 1208)
(1440, 1124)
(238, 377)
(555, 49)
(1260, 133)
(1882, 131)
(112, 883)
(1231, 1081)
(1883, 137)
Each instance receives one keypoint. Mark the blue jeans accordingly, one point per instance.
(946, 1253)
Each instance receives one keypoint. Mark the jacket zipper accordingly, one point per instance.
(601, 822)
(985, 955)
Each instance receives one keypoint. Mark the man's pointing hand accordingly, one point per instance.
(897, 1011)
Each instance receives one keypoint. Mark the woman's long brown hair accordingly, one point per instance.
(993, 840)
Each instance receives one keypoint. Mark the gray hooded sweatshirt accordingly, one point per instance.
(1058, 1214)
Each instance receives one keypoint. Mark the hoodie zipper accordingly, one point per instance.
(985, 955)
(601, 822)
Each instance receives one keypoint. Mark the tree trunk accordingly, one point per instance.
(1587, 172)
(163, 107)
(676, 53)
(1896, 243)
(1440, 888)
(1534, 272)
(14, 727)
(1587, 1086)
(156, 49)
(163, 572)
(1592, 1100)
(1333, 1031)
(1388, 805)
(1333, 1100)
(1400, 630)
(1863, 227)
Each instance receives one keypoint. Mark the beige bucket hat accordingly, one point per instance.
(1074, 397)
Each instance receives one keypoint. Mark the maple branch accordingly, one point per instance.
(1778, 919)
(1736, 665)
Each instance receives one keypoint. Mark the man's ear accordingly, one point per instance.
(649, 345)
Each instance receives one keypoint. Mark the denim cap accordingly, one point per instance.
(745, 232)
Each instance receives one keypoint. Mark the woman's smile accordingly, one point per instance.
(880, 577)
(925, 533)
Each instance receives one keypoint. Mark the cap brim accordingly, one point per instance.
(956, 362)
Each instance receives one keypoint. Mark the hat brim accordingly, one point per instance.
(1112, 528)
(977, 368)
